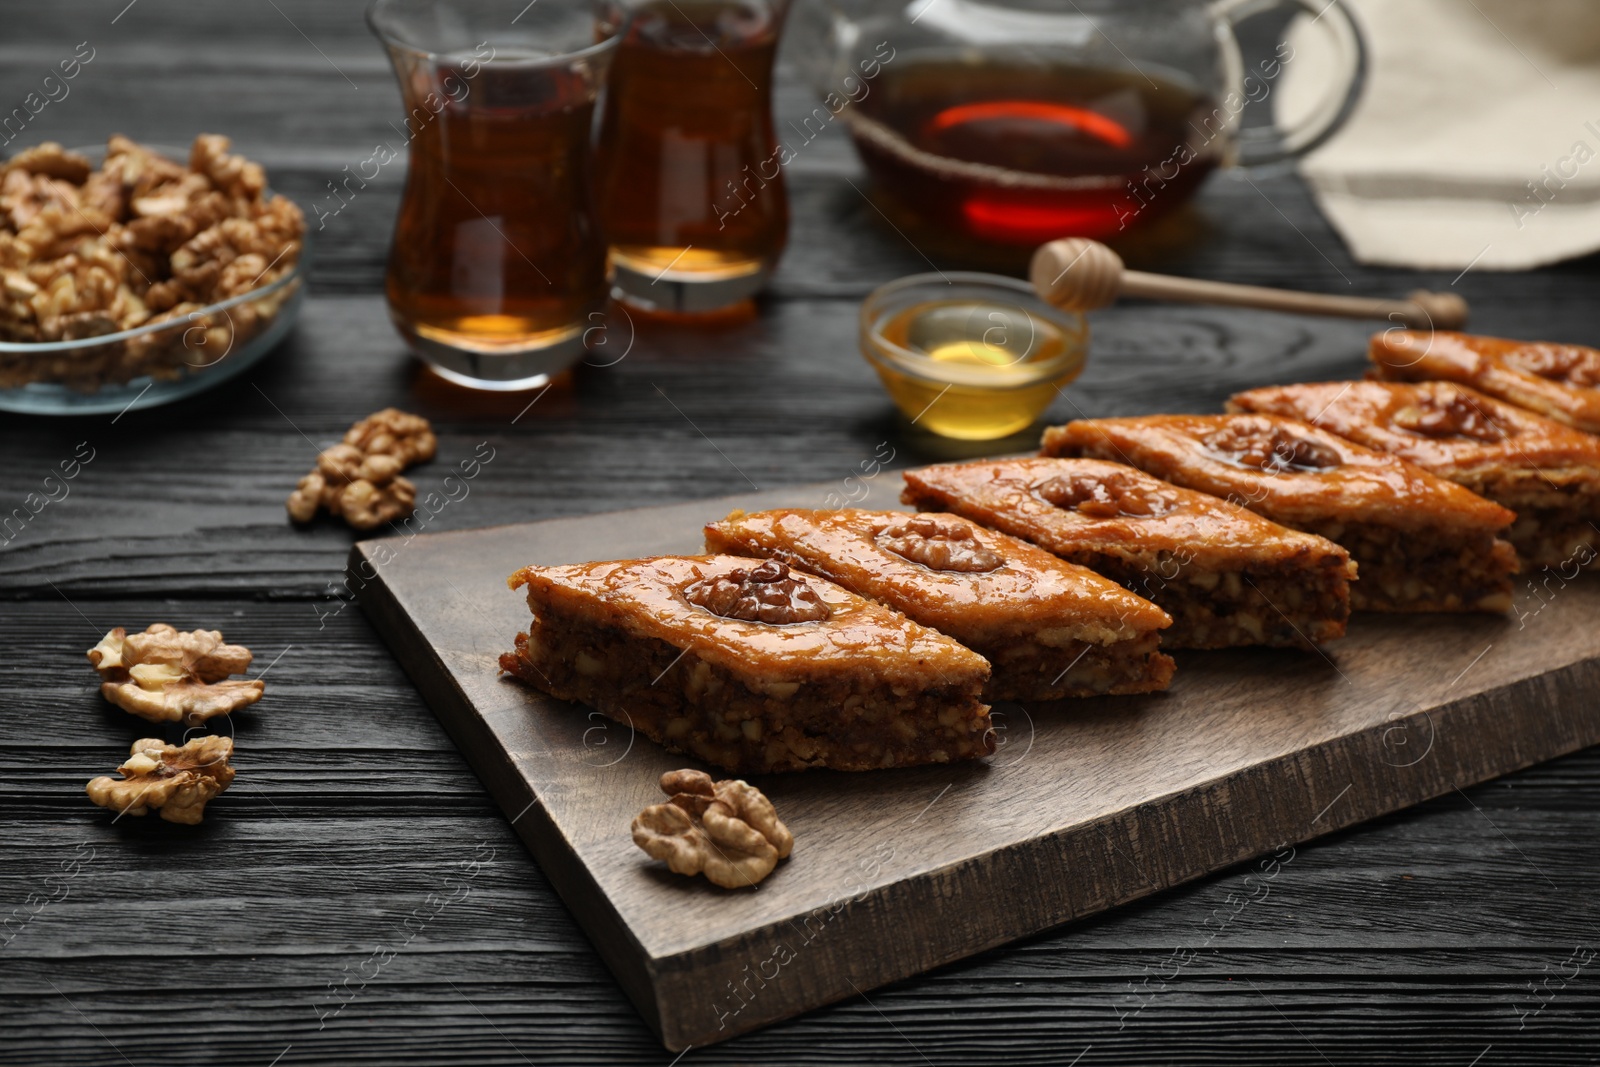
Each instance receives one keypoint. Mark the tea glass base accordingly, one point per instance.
(480, 362)
(642, 281)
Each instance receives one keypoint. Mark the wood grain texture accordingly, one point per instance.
(1411, 941)
(1088, 804)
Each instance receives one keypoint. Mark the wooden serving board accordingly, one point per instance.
(1086, 805)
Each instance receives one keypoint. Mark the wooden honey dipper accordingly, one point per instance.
(1077, 274)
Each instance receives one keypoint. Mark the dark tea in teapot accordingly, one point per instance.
(1018, 153)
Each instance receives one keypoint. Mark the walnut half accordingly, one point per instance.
(177, 782)
(359, 479)
(1570, 364)
(737, 840)
(1105, 497)
(1458, 416)
(764, 593)
(1270, 447)
(165, 675)
(940, 544)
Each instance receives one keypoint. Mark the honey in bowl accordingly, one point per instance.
(1023, 153)
(970, 356)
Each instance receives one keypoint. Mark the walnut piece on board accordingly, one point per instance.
(737, 840)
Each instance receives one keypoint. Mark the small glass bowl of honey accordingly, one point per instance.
(970, 356)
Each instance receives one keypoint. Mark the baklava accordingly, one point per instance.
(1422, 543)
(1548, 473)
(1225, 575)
(1560, 382)
(1049, 629)
(751, 666)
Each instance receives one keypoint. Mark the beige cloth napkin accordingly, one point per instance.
(1477, 142)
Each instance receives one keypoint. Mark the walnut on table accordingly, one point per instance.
(177, 782)
(359, 478)
(166, 675)
(397, 433)
(726, 830)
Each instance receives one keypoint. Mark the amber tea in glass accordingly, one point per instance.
(497, 268)
(691, 191)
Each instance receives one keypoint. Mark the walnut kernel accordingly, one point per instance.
(366, 505)
(737, 840)
(177, 782)
(1559, 363)
(359, 479)
(165, 675)
(1105, 497)
(139, 241)
(1270, 447)
(764, 593)
(1458, 416)
(940, 544)
(393, 432)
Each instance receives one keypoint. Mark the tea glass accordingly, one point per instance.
(691, 183)
(497, 268)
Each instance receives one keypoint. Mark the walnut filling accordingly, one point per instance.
(765, 593)
(1269, 447)
(940, 545)
(1559, 363)
(1036, 666)
(1287, 607)
(1551, 536)
(1426, 569)
(1456, 417)
(1105, 497)
(748, 725)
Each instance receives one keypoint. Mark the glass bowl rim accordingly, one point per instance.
(876, 350)
(394, 43)
(302, 262)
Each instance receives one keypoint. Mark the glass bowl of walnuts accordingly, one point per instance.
(139, 275)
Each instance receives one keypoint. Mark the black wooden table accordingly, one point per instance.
(1458, 933)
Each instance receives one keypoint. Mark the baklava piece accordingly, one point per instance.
(1422, 543)
(1225, 575)
(1048, 629)
(1549, 474)
(1560, 382)
(750, 666)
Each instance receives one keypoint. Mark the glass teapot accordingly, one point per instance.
(1014, 122)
